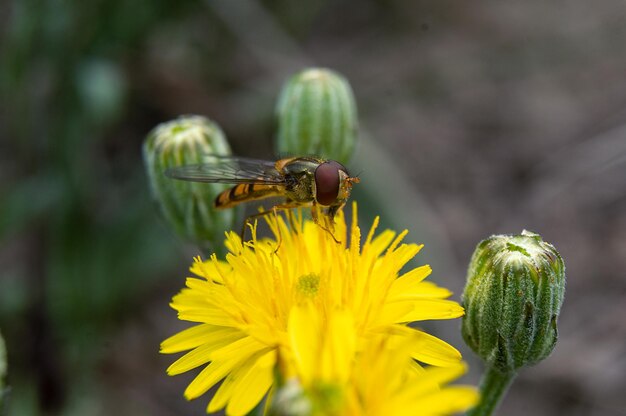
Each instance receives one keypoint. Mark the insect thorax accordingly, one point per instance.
(300, 177)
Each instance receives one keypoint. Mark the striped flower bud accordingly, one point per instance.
(317, 116)
(514, 291)
(188, 206)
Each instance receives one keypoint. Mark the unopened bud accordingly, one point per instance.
(188, 206)
(514, 291)
(317, 116)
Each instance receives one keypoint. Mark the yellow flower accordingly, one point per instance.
(244, 305)
(377, 378)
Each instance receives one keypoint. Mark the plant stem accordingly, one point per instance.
(493, 386)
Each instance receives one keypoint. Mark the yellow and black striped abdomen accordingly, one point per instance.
(245, 192)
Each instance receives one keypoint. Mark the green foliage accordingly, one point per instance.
(3, 368)
(75, 214)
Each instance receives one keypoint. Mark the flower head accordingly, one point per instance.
(386, 381)
(376, 377)
(246, 307)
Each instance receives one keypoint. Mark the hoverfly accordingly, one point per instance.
(300, 181)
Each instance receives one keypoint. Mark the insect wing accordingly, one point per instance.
(226, 169)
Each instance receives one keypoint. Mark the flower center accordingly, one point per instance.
(308, 284)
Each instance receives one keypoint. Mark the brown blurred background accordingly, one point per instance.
(476, 118)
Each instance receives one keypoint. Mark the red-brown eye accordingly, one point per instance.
(327, 182)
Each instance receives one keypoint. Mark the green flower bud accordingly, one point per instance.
(188, 206)
(317, 116)
(514, 291)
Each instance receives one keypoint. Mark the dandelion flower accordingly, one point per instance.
(379, 377)
(386, 381)
(243, 306)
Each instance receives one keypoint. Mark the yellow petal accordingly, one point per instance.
(212, 270)
(397, 241)
(188, 298)
(202, 354)
(419, 310)
(448, 400)
(224, 361)
(261, 361)
(431, 350)
(370, 234)
(207, 378)
(249, 389)
(444, 375)
(225, 391)
(401, 255)
(213, 316)
(199, 287)
(304, 332)
(197, 357)
(339, 346)
(417, 274)
(416, 290)
(196, 336)
(244, 347)
(380, 243)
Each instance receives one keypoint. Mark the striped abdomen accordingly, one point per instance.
(245, 192)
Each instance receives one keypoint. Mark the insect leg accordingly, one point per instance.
(287, 206)
(249, 219)
(316, 219)
(274, 210)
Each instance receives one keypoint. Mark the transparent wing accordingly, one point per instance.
(229, 169)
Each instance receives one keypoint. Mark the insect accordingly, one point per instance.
(300, 181)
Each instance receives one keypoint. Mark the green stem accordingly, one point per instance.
(493, 386)
(3, 369)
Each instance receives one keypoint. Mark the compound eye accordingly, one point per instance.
(327, 182)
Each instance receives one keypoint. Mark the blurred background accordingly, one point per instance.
(476, 118)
